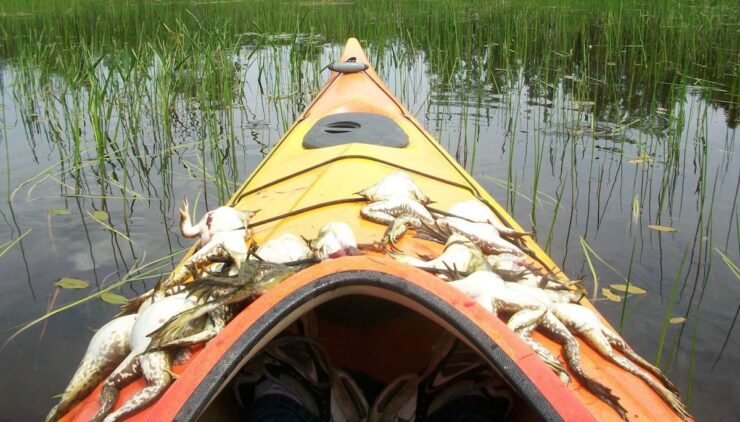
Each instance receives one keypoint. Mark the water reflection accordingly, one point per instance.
(577, 150)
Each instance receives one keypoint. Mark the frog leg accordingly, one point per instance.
(585, 322)
(623, 347)
(179, 326)
(155, 366)
(181, 356)
(399, 226)
(124, 375)
(543, 352)
(108, 348)
(377, 213)
(217, 323)
(528, 313)
(507, 231)
(572, 352)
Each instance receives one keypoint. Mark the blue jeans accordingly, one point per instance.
(470, 409)
(279, 408)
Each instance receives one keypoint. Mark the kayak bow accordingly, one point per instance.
(376, 316)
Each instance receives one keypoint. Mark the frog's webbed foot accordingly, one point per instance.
(186, 228)
(585, 322)
(398, 227)
(545, 354)
(124, 375)
(217, 323)
(552, 282)
(524, 322)
(225, 246)
(596, 339)
(376, 213)
(374, 246)
(572, 352)
(132, 305)
(434, 233)
(623, 347)
(155, 366)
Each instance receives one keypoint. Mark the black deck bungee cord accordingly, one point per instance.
(470, 187)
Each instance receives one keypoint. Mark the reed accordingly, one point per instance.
(669, 310)
(589, 120)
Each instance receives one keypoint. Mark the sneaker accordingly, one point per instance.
(298, 367)
(455, 374)
(348, 402)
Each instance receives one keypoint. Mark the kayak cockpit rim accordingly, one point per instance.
(376, 284)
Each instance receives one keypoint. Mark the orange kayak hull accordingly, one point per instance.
(298, 190)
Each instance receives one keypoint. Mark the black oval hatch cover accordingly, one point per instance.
(347, 128)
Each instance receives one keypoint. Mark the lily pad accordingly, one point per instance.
(59, 211)
(677, 320)
(610, 295)
(662, 228)
(641, 159)
(113, 298)
(71, 283)
(100, 215)
(629, 289)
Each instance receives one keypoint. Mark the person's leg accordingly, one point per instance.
(471, 408)
(279, 408)
(294, 379)
(456, 386)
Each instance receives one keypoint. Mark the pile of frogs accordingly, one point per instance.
(482, 258)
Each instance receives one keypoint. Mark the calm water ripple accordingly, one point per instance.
(585, 152)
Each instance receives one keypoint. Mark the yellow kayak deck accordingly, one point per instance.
(297, 190)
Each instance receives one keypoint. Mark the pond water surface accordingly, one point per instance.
(97, 150)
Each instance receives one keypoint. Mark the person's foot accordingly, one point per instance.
(348, 402)
(298, 368)
(457, 383)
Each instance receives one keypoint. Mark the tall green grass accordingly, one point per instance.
(605, 109)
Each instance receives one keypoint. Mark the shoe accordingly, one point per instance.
(348, 402)
(454, 373)
(298, 367)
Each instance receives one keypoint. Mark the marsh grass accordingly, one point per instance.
(143, 271)
(588, 120)
(5, 247)
(669, 309)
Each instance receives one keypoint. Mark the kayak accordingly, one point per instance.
(376, 316)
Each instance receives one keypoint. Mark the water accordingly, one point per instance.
(572, 158)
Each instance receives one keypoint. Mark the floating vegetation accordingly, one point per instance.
(59, 211)
(658, 227)
(72, 283)
(113, 298)
(626, 288)
(610, 295)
